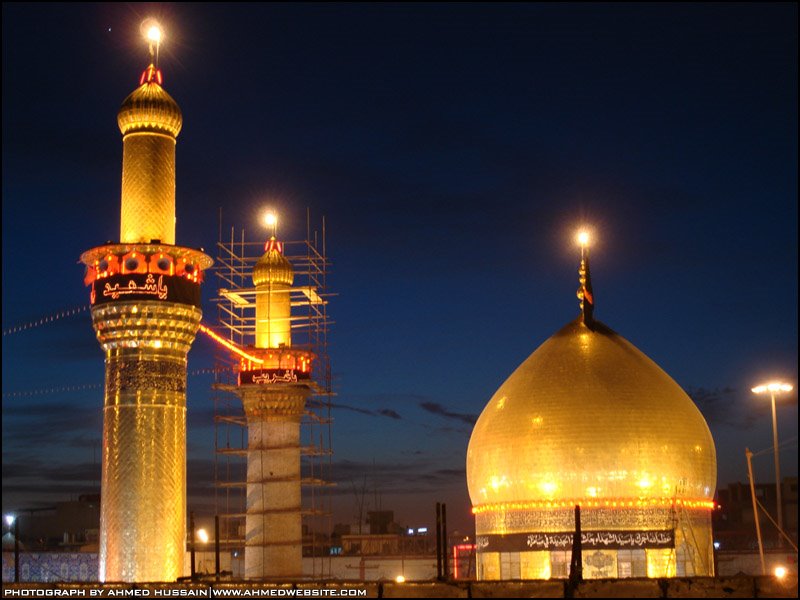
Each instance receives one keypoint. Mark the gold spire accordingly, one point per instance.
(585, 294)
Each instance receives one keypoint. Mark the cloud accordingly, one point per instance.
(50, 471)
(381, 412)
(388, 412)
(392, 477)
(437, 409)
(37, 425)
(729, 406)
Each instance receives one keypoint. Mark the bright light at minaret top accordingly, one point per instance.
(583, 238)
(153, 33)
(271, 221)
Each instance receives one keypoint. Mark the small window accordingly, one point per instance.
(624, 569)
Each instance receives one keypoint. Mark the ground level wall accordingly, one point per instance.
(698, 587)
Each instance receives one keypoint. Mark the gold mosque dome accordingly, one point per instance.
(150, 108)
(273, 266)
(589, 418)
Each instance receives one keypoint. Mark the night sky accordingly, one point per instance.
(454, 150)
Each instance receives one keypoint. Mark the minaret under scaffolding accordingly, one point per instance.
(145, 305)
(274, 384)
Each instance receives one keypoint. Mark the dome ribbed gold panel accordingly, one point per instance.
(588, 415)
(273, 267)
(150, 108)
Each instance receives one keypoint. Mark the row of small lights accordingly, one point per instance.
(48, 319)
(301, 363)
(130, 263)
(706, 504)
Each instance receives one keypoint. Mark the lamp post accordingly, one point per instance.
(12, 520)
(772, 388)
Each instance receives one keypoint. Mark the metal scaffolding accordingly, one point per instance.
(235, 301)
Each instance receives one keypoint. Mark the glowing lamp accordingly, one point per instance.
(401, 579)
(583, 238)
(10, 519)
(773, 387)
(202, 535)
(152, 31)
(780, 572)
(271, 219)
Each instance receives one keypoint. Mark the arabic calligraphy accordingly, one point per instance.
(289, 376)
(602, 539)
(599, 540)
(149, 288)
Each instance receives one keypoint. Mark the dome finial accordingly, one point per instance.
(585, 294)
(271, 221)
(152, 32)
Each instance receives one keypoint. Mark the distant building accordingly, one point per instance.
(734, 528)
(385, 538)
(67, 526)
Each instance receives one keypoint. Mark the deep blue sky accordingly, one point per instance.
(454, 149)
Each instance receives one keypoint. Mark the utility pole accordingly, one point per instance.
(749, 456)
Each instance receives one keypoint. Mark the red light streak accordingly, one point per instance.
(230, 346)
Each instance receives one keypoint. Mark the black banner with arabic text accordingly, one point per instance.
(271, 376)
(590, 540)
(145, 286)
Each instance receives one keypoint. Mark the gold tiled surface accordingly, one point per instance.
(592, 519)
(138, 324)
(589, 416)
(143, 504)
(148, 188)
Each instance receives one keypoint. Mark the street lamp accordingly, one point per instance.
(202, 535)
(772, 388)
(12, 520)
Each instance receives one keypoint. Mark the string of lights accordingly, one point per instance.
(90, 386)
(45, 320)
(617, 503)
(53, 390)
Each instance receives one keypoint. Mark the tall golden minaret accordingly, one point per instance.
(145, 298)
(274, 390)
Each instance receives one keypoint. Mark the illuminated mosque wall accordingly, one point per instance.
(145, 305)
(589, 420)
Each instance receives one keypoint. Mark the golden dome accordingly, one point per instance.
(150, 108)
(273, 266)
(588, 415)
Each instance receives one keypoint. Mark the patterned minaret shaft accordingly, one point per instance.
(274, 402)
(145, 295)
